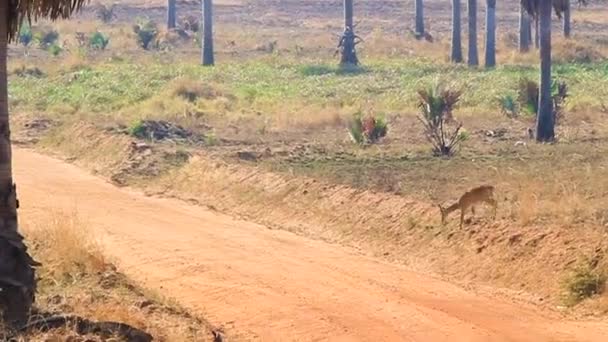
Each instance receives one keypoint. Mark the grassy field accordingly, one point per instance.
(268, 127)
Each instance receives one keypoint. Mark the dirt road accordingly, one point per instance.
(271, 285)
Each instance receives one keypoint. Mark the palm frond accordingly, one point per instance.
(35, 9)
(560, 6)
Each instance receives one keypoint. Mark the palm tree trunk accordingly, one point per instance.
(347, 42)
(17, 278)
(208, 33)
(490, 33)
(524, 30)
(456, 56)
(473, 54)
(419, 19)
(171, 14)
(536, 33)
(348, 14)
(545, 123)
(567, 20)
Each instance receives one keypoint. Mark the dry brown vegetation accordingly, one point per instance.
(78, 279)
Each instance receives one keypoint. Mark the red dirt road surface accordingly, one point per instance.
(271, 285)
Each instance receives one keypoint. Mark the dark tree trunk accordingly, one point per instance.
(171, 14)
(490, 33)
(536, 33)
(348, 13)
(473, 54)
(419, 19)
(348, 40)
(208, 58)
(456, 55)
(17, 278)
(567, 21)
(545, 121)
(524, 30)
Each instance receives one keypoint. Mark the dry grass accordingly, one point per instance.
(76, 278)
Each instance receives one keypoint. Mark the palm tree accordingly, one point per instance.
(349, 40)
(490, 33)
(540, 10)
(170, 14)
(473, 54)
(567, 19)
(524, 30)
(17, 273)
(208, 32)
(456, 56)
(419, 19)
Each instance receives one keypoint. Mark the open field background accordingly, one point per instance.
(266, 128)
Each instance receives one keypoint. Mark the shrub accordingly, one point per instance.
(137, 128)
(146, 32)
(46, 38)
(367, 130)
(55, 50)
(528, 94)
(508, 106)
(99, 41)
(191, 23)
(105, 13)
(436, 107)
(25, 34)
(583, 282)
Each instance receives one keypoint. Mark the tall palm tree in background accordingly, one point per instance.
(456, 55)
(419, 19)
(348, 41)
(171, 14)
(490, 33)
(524, 30)
(473, 59)
(567, 19)
(17, 274)
(541, 10)
(208, 58)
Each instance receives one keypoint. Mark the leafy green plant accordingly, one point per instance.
(55, 49)
(25, 34)
(436, 106)
(583, 282)
(137, 128)
(99, 41)
(508, 106)
(528, 93)
(367, 129)
(146, 32)
(46, 38)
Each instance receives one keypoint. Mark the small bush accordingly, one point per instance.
(367, 130)
(528, 96)
(436, 107)
(146, 32)
(508, 106)
(191, 23)
(105, 13)
(584, 281)
(55, 50)
(99, 41)
(46, 38)
(137, 128)
(25, 34)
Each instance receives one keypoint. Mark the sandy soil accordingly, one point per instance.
(270, 285)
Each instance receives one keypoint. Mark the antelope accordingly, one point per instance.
(481, 194)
